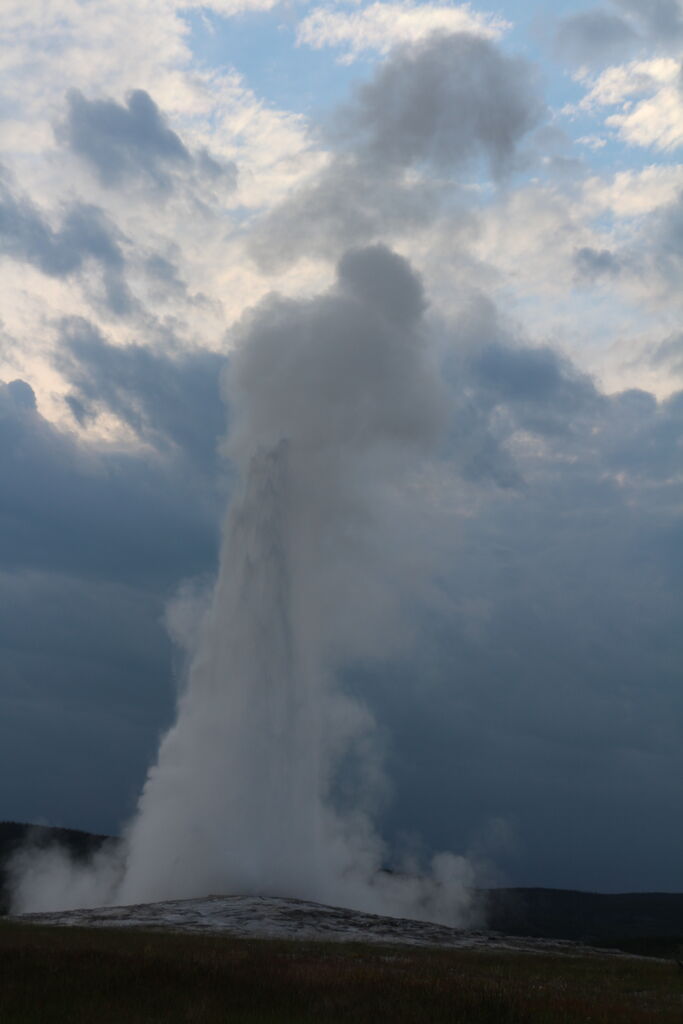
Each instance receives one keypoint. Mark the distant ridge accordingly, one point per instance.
(639, 922)
(649, 923)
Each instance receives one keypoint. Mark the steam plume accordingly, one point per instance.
(331, 400)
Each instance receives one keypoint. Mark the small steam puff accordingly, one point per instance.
(331, 400)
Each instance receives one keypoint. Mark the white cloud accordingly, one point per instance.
(620, 82)
(651, 100)
(592, 141)
(657, 121)
(228, 8)
(523, 252)
(380, 26)
(633, 193)
(104, 50)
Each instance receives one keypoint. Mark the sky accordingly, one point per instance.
(164, 168)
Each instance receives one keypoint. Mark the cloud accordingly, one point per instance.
(554, 642)
(625, 81)
(670, 353)
(86, 671)
(661, 20)
(595, 37)
(158, 395)
(501, 390)
(575, 575)
(594, 263)
(650, 98)
(655, 121)
(647, 255)
(381, 26)
(544, 393)
(227, 8)
(569, 671)
(121, 143)
(27, 236)
(95, 538)
(84, 234)
(663, 237)
(631, 194)
(119, 515)
(599, 36)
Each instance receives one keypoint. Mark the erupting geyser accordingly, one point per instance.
(330, 400)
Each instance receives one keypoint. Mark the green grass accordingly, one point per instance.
(98, 976)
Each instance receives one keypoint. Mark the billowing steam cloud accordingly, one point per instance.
(331, 400)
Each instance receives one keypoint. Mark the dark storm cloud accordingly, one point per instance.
(658, 251)
(164, 270)
(670, 353)
(662, 20)
(451, 101)
(216, 170)
(595, 37)
(86, 681)
(94, 540)
(655, 255)
(85, 234)
(114, 515)
(166, 399)
(668, 233)
(553, 693)
(643, 438)
(595, 263)
(531, 375)
(121, 142)
(499, 386)
(26, 235)
(541, 391)
(559, 654)
(515, 387)
(601, 36)
(547, 680)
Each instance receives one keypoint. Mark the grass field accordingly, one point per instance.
(83, 976)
